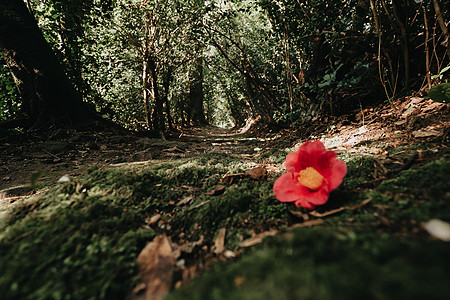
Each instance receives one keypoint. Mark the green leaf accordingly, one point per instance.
(444, 70)
(440, 93)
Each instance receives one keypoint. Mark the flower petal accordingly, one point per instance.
(304, 203)
(320, 197)
(292, 162)
(310, 154)
(286, 188)
(338, 171)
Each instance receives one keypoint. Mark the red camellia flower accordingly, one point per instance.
(312, 173)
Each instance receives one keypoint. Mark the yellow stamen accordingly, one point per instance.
(310, 178)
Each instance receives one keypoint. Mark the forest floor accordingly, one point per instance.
(96, 215)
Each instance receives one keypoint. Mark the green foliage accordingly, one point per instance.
(9, 96)
(440, 93)
(441, 73)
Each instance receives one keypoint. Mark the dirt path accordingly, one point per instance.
(30, 159)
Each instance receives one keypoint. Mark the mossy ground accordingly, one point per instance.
(80, 239)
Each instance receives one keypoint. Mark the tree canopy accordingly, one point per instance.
(155, 65)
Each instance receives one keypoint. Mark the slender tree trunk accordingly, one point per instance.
(157, 113)
(146, 89)
(403, 42)
(427, 51)
(165, 99)
(441, 21)
(47, 95)
(196, 97)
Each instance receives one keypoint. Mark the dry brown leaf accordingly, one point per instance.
(173, 149)
(216, 191)
(191, 188)
(152, 220)
(230, 178)
(238, 281)
(426, 133)
(185, 200)
(219, 243)
(156, 266)
(200, 204)
(256, 239)
(258, 173)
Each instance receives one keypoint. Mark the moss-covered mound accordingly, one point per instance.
(330, 263)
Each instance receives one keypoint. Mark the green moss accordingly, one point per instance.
(71, 247)
(421, 192)
(80, 240)
(274, 155)
(326, 264)
(360, 171)
(247, 205)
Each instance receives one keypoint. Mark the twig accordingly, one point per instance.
(427, 51)
(337, 210)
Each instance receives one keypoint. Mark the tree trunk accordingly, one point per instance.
(157, 114)
(403, 42)
(197, 115)
(165, 98)
(441, 21)
(47, 95)
(146, 89)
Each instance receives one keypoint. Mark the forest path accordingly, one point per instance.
(30, 159)
(214, 139)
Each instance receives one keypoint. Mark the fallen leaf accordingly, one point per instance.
(153, 219)
(238, 281)
(230, 178)
(191, 188)
(156, 265)
(173, 149)
(216, 191)
(438, 229)
(426, 133)
(256, 239)
(401, 122)
(200, 204)
(64, 178)
(229, 254)
(219, 243)
(258, 173)
(185, 200)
